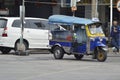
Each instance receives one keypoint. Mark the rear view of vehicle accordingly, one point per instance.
(3, 36)
(35, 35)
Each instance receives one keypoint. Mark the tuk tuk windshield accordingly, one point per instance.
(95, 29)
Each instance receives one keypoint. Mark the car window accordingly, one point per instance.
(3, 23)
(17, 23)
(36, 24)
(54, 27)
(48, 26)
(45, 23)
(27, 24)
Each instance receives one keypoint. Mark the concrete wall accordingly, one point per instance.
(56, 9)
(88, 12)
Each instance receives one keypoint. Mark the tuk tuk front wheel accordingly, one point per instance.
(58, 52)
(78, 56)
(101, 55)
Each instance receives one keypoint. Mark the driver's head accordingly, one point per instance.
(115, 23)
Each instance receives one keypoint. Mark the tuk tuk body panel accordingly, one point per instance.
(81, 49)
(64, 40)
(69, 47)
(66, 46)
(97, 43)
(61, 44)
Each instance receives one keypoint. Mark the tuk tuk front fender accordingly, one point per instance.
(99, 44)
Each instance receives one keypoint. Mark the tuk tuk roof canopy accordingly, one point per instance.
(70, 20)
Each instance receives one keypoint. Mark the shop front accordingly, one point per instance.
(33, 8)
(45, 8)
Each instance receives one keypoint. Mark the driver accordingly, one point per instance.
(93, 29)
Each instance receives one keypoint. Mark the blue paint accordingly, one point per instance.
(65, 44)
(70, 20)
(81, 48)
(97, 42)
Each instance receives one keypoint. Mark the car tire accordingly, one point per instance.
(5, 50)
(24, 46)
(101, 55)
(58, 52)
(78, 56)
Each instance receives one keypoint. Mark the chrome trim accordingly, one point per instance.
(67, 49)
(88, 45)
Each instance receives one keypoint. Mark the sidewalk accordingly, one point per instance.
(112, 54)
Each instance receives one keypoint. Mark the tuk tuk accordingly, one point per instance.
(80, 37)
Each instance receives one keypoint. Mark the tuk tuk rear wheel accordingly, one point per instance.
(101, 55)
(58, 52)
(78, 56)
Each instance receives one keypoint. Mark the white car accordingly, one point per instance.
(36, 34)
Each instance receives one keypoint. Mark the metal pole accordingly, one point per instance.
(73, 5)
(111, 13)
(96, 9)
(73, 27)
(22, 25)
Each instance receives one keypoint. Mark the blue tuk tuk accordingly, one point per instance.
(80, 37)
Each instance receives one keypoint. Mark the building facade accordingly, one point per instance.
(45, 8)
(32, 8)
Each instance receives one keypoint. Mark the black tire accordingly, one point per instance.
(5, 50)
(78, 56)
(94, 55)
(101, 55)
(58, 52)
(24, 46)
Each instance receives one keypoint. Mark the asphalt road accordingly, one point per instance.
(45, 67)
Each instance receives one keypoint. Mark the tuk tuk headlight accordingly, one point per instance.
(101, 39)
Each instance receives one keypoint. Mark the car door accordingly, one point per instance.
(36, 34)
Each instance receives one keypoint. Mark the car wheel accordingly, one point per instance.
(18, 48)
(78, 56)
(58, 52)
(101, 55)
(5, 50)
